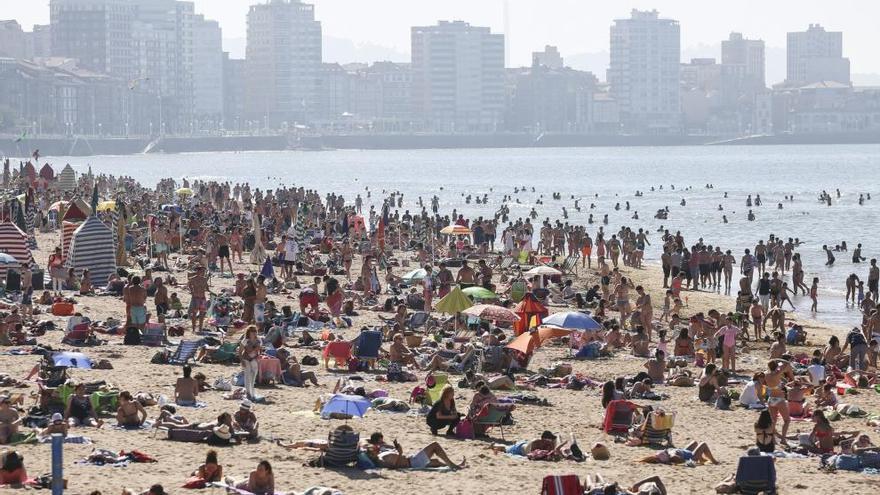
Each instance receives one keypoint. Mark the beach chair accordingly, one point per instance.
(367, 347)
(570, 265)
(342, 448)
(658, 429)
(417, 320)
(440, 381)
(104, 402)
(340, 351)
(505, 264)
(184, 352)
(225, 353)
(153, 335)
(490, 416)
(563, 484)
(618, 417)
(79, 334)
(756, 474)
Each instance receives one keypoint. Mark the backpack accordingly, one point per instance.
(465, 430)
(309, 361)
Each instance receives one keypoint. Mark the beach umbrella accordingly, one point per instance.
(184, 191)
(527, 309)
(455, 230)
(72, 360)
(414, 276)
(478, 292)
(529, 341)
(353, 405)
(109, 205)
(574, 320)
(492, 312)
(7, 261)
(268, 271)
(454, 302)
(543, 270)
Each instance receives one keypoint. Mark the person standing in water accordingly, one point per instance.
(830, 254)
(814, 295)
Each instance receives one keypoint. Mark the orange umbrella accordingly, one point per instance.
(528, 342)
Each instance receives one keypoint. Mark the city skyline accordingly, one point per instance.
(535, 24)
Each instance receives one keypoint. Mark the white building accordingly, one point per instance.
(207, 69)
(643, 73)
(457, 77)
(283, 62)
(747, 54)
(549, 58)
(816, 55)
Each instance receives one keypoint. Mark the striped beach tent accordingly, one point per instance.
(47, 173)
(67, 230)
(30, 214)
(67, 179)
(14, 243)
(92, 247)
(29, 172)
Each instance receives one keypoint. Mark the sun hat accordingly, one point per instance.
(222, 432)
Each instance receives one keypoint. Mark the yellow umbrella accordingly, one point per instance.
(455, 230)
(184, 191)
(454, 302)
(108, 205)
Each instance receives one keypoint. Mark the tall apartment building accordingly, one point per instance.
(207, 70)
(816, 55)
(146, 42)
(233, 93)
(457, 77)
(283, 60)
(643, 73)
(14, 41)
(549, 58)
(747, 54)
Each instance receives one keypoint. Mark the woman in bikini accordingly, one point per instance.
(765, 432)
(778, 371)
(621, 294)
(79, 411)
(211, 470)
(130, 412)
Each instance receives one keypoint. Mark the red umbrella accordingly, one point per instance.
(492, 312)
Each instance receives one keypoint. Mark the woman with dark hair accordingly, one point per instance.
(765, 432)
(12, 471)
(610, 393)
(443, 412)
(261, 480)
(211, 470)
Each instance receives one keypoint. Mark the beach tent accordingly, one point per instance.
(67, 179)
(67, 230)
(47, 173)
(29, 172)
(77, 211)
(92, 247)
(528, 308)
(14, 243)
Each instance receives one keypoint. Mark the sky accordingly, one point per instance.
(575, 26)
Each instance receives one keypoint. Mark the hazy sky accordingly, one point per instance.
(575, 26)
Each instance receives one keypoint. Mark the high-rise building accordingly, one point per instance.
(549, 58)
(145, 42)
(551, 100)
(816, 55)
(643, 73)
(14, 42)
(41, 40)
(458, 77)
(207, 70)
(283, 59)
(748, 54)
(233, 93)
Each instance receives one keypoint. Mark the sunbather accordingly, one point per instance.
(392, 457)
(9, 420)
(57, 425)
(699, 453)
(245, 420)
(291, 371)
(547, 442)
(648, 486)
(211, 470)
(79, 410)
(130, 412)
(186, 389)
(261, 481)
(169, 419)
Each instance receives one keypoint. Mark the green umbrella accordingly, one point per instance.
(414, 276)
(478, 292)
(453, 302)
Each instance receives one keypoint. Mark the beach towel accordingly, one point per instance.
(147, 425)
(188, 435)
(71, 439)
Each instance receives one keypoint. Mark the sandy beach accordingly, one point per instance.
(288, 415)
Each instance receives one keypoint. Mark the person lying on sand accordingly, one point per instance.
(392, 457)
(697, 452)
(648, 486)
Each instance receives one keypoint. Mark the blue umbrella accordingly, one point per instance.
(267, 272)
(72, 360)
(353, 405)
(572, 320)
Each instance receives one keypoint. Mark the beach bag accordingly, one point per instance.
(465, 430)
(309, 361)
(62, 309)
(848, 462)
(160, 357)
(132, 336)
(353, 365)
(723, 402)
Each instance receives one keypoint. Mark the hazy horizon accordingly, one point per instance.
(577, 27)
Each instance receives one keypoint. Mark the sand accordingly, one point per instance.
(728, 433)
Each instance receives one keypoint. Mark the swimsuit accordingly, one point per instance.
(138, 315)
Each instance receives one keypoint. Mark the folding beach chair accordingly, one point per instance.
(490, 416)
(570, 265)
(618, 417)
(153, 335)
(564, 484)
(756, 474)
(185, 351)
(367, 347)
(658, 429)
(440, 381)
(417, 320)
(506, 263)
(340, 351)
(80, 334)
(225, 353)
